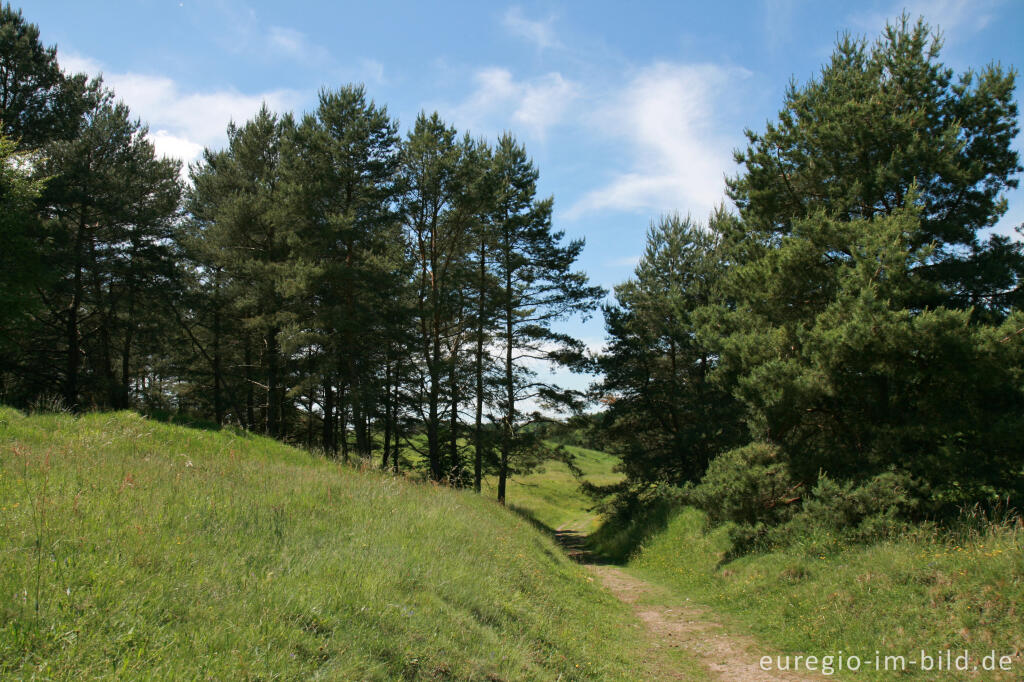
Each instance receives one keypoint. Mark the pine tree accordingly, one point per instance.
(665, 413)
(536, 287)
(19, 259)
(880, 121)
(438, 212)
(210, 356)
(252, 234)
(836, 367)
(38, 102)
(342, 175)
(111, 203)
(482, 293)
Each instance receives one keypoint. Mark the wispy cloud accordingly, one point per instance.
(181, 121)
(240, 30)
(667, 119)
(373, 70)
(535, 104)
(951, 16)
(778, 19)
(539, 32)
(624, 262)
(296, 45)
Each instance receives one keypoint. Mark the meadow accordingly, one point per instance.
(928, 589)
(138, 549)
(552, 496)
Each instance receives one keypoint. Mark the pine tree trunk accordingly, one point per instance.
(368, 429)
(478, 434)
(329, 442)
(388, 369)
(124, 393)
(273, 424)
(433, 437)
(309, 421)
(250, 398)
(433, 404)
(343, 421)
(106, 367)
(218, 378)
(394, 415)
(358, 424)
(454, 461)
(510, 392)
(73, 341)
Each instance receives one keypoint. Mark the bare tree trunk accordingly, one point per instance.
(510, 395)
(73, 341)
(343, 421)
(394, 415)
(250, 398)
(478, 435)
(388, 373)
(218, 377)
(329, 441)
(273, 415)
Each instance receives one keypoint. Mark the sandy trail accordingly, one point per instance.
(675, 623)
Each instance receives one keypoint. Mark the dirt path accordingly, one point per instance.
(673, 623)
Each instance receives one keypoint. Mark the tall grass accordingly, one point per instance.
(137, 549)
(929, 589)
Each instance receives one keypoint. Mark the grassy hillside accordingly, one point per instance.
(922, 591)
(552, 496)
(136, 549)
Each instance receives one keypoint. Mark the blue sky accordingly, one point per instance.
(630, 110)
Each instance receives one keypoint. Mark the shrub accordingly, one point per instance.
(877, 508)
(749, 486)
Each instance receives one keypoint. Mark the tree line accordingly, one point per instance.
(322, 279)
(847, 347)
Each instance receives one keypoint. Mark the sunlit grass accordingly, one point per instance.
(923, 591)
(136, 549)
(552, 494)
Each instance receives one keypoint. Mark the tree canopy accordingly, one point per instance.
(320, 279)
(851, 329)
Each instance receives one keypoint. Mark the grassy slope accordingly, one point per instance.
(551, 495)
(897, 597)
(159, 551)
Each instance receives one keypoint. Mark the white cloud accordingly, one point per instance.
(535, 104)
(950, 16)
(239, 30)
(175, 147)
(295, 44)
(75, 63)
(287, 40)
(540, 33)
(184, 121)
(667, 117)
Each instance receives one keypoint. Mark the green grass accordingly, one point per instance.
(552, 494)
(134, 549)
(899, 597)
